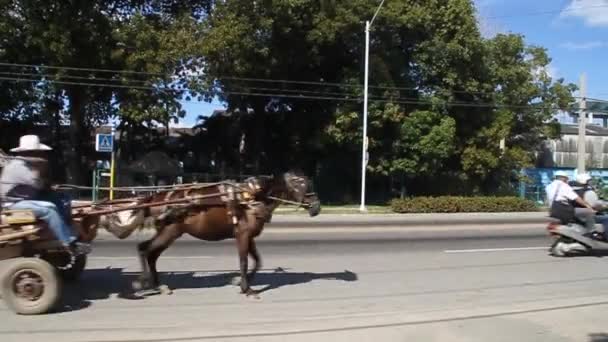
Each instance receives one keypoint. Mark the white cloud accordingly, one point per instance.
(552, 71)
(583, 45)
(549, 70)
(593, 12)
(487, 26)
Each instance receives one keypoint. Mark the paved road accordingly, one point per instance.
(387, 285)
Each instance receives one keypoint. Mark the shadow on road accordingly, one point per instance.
(598, 337)
(98, 284)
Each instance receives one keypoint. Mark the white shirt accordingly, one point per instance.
(565, 193)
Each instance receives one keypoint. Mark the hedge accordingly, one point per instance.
(454, 204)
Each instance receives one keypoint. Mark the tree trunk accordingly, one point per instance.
(77, 132)
(56, 112)
(403, 189)
(259, 117)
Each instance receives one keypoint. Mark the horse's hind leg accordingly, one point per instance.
(253, 251)
(162, 241)
(149, 251)
(144, 278)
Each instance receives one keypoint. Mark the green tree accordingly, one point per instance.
(493, 89)
(152, 39)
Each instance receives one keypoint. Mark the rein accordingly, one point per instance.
(299, 204)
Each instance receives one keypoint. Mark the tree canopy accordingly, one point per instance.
(442, 97)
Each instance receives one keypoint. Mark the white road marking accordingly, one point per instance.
(481, 250)
(164, 257)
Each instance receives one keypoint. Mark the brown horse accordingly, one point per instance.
(240, 213)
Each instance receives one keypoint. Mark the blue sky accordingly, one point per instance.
(575, 32)
(194, 109)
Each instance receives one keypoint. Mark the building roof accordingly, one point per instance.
(173, 131)
(596, 130)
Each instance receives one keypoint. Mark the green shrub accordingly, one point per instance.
(454, 204)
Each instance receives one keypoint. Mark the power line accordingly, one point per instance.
(413, 102)
(80, 83)
(301, 97)
(296, 91)
(246, 79)
(323, 94)
(79, 68)
(58, 77)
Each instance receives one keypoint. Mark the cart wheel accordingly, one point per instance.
(31, 286)
(62, 260)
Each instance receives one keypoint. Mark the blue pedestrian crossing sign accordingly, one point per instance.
(104, 143)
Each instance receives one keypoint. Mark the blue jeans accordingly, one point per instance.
(61, 200)
(603, 220)
(52, 215)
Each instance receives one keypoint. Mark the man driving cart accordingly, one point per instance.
(24, 184)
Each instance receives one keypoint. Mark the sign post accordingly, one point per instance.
(105, 143)
(112, 166)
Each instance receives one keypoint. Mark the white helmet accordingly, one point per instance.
(561, 173)
(583, 178)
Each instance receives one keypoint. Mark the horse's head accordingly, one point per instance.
(294, 188)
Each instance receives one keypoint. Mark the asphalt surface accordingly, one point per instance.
(478, 284)
(341, 241)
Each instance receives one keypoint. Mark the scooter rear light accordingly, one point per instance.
(551, 227)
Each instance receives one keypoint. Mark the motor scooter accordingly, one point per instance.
(574, 239)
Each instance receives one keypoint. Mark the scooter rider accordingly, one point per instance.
(561, 198)
(585, 190)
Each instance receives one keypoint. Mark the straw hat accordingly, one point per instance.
(30, 143)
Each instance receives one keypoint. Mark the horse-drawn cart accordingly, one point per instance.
(35, 264)
(38, 264)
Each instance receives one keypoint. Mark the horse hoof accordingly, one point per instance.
(252, 294)
(137, 285)
(165, 290)
(148, 292)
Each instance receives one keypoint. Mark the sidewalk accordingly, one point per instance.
(369, 220)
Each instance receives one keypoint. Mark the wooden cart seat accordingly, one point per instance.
(17, 217)
(19, 224)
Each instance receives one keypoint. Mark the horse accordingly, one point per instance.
(240, 214)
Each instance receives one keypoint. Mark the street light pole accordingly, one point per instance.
(113, 162)
(364, 157)
(364, 153)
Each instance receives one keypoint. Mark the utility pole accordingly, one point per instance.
(582, 120)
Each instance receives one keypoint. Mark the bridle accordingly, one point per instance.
(290, 179)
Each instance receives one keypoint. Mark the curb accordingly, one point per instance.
(358, 233)
(404, 220)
